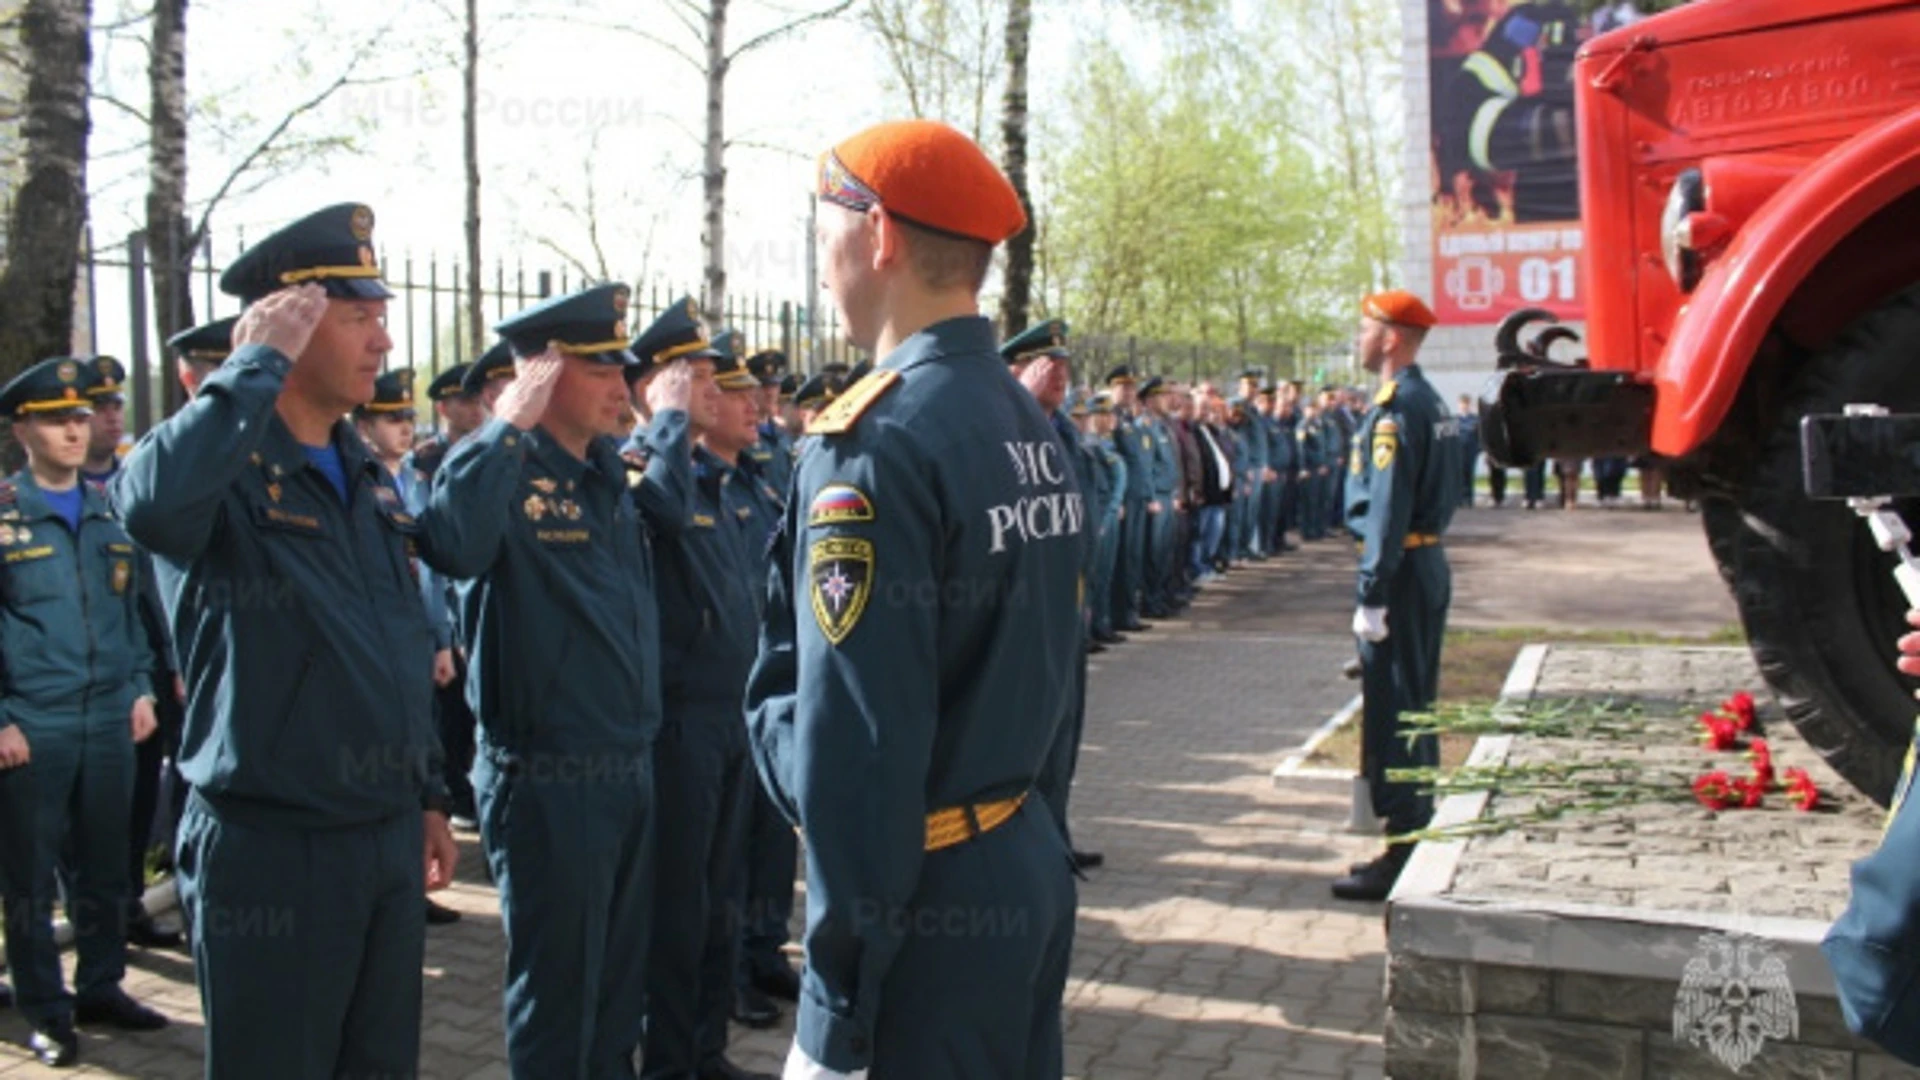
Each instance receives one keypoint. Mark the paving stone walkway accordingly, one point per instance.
(1208, 945)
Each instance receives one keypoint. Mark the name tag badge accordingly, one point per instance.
(30, 554)
(563, 537)
(288, 520)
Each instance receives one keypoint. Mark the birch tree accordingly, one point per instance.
(50, 208)
(704, 47)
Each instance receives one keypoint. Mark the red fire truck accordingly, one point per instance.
(1750, 191)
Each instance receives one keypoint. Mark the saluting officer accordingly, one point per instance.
(283, 551)
(1872, 946)
(904, 701)
(1403, 487)
(76, 695)
(531, 514)
(709, 613)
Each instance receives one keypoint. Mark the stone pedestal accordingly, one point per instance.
(1595, 946)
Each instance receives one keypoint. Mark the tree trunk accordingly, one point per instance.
(470, 123)
(714, 173)
(170, 239)
(1016, 301)
(50, 209)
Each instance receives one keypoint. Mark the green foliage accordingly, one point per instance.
(1218, 197)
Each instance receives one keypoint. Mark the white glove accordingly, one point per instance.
(1370, 623)
(801, 1067)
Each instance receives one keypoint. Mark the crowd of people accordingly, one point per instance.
(643, 609)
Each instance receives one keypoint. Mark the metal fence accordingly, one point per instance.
(428, 321)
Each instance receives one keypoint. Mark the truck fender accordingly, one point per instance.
(1721, 327)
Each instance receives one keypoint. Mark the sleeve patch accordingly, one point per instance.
(839, 504)
(1385, 441)
(840, 569)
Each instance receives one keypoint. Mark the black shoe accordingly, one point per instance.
(753, 1009)
(56, 1045)
(1352, 669)
(439, 915)
(1110, 639)
(1136, 627)
(722, 1069)
(117, 1010)
(144, 933)
(6, 996)
(782, 982)
(1095, 648)
(1088, 860)
(1374, 881)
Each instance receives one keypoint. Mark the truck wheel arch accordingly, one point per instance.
(1794, 265)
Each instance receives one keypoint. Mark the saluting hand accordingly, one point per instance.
(283, 321)
(441, 851)
(671, 389)
(525, 399)
(142, 718)
(13, 747)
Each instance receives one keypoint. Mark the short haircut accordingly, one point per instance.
(945, 261)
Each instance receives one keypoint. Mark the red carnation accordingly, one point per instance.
(1749, 792)
(1802, 792)
(1720, 734)
(1762, 756)
(1714, 790)
(1740, 707)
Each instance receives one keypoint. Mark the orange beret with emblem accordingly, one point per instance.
(927, 174)
(1400, 307)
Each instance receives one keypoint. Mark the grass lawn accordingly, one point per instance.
(1473, 668)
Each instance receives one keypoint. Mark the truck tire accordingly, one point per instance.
(1816, 596)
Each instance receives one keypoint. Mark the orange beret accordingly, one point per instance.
(1401, 307)
(925, 173)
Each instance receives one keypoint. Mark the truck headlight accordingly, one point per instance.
(1678, 245)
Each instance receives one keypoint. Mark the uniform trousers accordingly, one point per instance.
(1402, 674)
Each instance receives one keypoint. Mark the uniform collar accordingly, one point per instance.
(279, 448)
(962, 335)
(603, 456)
(33, 505)
(707, 463)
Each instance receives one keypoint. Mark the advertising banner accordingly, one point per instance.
(1505, 193)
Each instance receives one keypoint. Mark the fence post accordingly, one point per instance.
(137, 316)
(545, 284)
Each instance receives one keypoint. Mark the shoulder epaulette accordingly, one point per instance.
(839, 417)
(1385, 393)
